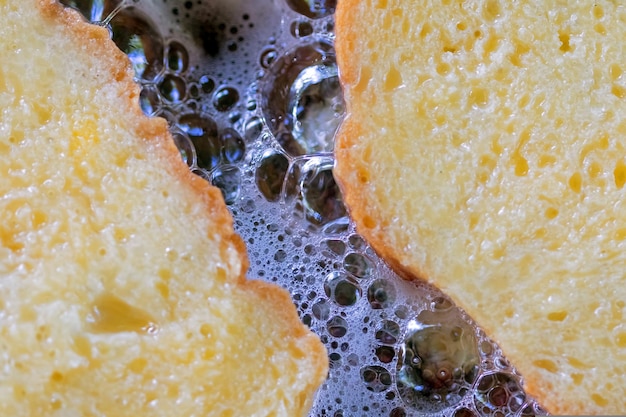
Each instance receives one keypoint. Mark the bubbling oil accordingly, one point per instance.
(252, 96)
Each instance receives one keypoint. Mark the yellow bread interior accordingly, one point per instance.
(122, 283)
(485, 151)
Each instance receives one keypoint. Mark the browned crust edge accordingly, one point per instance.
(151, 128)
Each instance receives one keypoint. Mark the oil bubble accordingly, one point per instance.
(376, 378)
(225, 98)
(301, 29)
(397, 412)
(233, 147)
(321, 310)
(149, 100)
(206, 84)
(173, 88)
(93, 10)
(337, 327)
(268, 56)
(253, 128)
(321, 198)
(270, 174)
(342, 289)
(358, 265)
(499, 392)
(381, 294)
(464, 412)
(301, 97)
(356, 242)
(177, 57)
(441, 303)
(185, 147)
(314, 9)
(388, 333)
(315, 107)
(385, 354)
(336, 246)
(138, 37)
(202, 130)
(438, 362)
(228, 180)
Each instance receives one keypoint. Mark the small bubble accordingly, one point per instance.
(401, 312)
(303, 100)
(149, 100)
(172, 88)
(464, 412)
(280, 255)
(233, 147)
(321, 196)
(185, 147)
(251, 105)
(167, 115)
(138, 37)
(486, 348)
(337, 327)
(316, 107)
(321, 310)
(207, 84)
(301, 29)
(268, 57)
(225, 98)
(356, 242)
(358, 265)
(270, 174)
(202, 131)
(499, 392)
(234, 117)
(398, 412)
(202, 173)
(441, 303)
(228, 180)
(438, 362)
(502, 363)
(253, 128)
(385, 354)
(353, 359)
(381, 294)
(93, 10)
(177, 57)
(342, 289)
(376, 378)
(336, 246)
(389, 333)
(314, 9)
(193, 90)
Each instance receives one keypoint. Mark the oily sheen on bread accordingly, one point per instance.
(484, 150)
(122, 286)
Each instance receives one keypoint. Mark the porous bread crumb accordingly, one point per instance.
(122, 282)
(484, 151)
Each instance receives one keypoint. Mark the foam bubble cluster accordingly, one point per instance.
(252, 96)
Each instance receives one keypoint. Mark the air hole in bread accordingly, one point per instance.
(618, 91)
(619, 174)
(393, 79)
(575, 182)
(546, 364)
(564, 38)
(492, 9)
(598, 11)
